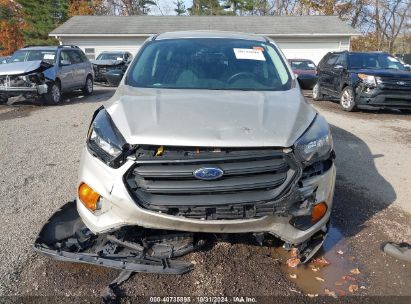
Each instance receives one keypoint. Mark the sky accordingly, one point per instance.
(167, 7)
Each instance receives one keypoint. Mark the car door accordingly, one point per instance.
(79, 68)
(65, 72)
(337, 73)
(327, 82)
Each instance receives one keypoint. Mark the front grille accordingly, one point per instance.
(251, 186)
(395, 84)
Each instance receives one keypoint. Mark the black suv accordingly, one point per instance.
(363, 80)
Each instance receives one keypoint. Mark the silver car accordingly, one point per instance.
(47, 71)
(208, 132)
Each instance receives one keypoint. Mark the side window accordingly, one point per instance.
(341, 60)
(332, 59)
(75, 57)
(323, 61)
(64, 56)
(83, 56)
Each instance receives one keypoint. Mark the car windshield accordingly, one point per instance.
(373, 61)
(110, 56)
(213, 64)
(48, 56)
(302, 65)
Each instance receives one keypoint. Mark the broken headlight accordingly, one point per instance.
(105, 141)
(316, 143)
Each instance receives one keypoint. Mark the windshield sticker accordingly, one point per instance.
(250, 54)
(260, 48)
(49, 56)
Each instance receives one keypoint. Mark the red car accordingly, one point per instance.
(306, 70)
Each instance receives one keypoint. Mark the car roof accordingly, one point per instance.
(40, 48)
(210, 34)
(113, 52)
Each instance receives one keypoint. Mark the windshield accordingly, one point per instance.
(302, 65)
(34, 55)
(110, 56)
(373, 61)
(213, 64)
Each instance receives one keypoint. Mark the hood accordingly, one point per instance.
(384, 73)
(25, 67)
(106, 62)
(210, 118)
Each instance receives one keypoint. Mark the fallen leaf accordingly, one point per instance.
(320, 262)
(362, 287)
(319, 279)
(311, 295)
(339, 283)
(355, 271)
(293, 276)
(351, 258)
(348, 278)
(353, 288)
(293, 262)
(330, 293)
(315, 269)
(340, 252)
(341, 292)
(294, 253)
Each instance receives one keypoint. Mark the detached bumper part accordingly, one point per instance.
(66, 238)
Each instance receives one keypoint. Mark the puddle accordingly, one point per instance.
(336, 277)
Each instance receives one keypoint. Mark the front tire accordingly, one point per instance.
(347, 99)
(53, 95)
(88, 86)
(317, 95)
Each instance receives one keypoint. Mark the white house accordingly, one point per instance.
(308, 37)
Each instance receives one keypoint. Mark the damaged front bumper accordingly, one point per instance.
(66, 238)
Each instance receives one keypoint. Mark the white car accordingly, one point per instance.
(208, 132)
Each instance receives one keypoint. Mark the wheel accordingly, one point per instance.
(347, 100)
(88, 86)
(317, 95)
(53, 95)
(3, 99)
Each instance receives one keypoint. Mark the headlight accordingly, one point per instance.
(368, 79)
(316, 142)
(105, 141)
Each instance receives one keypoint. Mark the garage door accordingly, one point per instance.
(311, 50)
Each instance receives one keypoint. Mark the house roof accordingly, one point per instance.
(148, 25)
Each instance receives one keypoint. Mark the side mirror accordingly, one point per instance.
(407, 68)
(338, 67)
(114, 77)
(64, 62)
(307, 81)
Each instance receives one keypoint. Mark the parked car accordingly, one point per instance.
(47, 71)
(4, 59)
(208, 132)
(363, 80)
(305, 69)
(109, 61)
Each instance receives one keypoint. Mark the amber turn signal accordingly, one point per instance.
(88, 197)
(318, 211)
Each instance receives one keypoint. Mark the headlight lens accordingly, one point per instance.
(368, 79)
(316, 142)
(104, 140)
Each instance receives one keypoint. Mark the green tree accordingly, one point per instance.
(206, 7)
(41, 17)
(180, 7)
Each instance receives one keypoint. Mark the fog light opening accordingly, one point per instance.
(318, 211)
(89, 197)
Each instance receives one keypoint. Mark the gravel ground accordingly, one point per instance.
(40, 148)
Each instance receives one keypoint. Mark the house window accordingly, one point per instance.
(90, 53)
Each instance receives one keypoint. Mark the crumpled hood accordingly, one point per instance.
(106, 62)
(21, 68)
(210, 118)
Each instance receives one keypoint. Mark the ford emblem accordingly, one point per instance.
(208, 173)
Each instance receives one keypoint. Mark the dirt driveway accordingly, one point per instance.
(40, 149)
